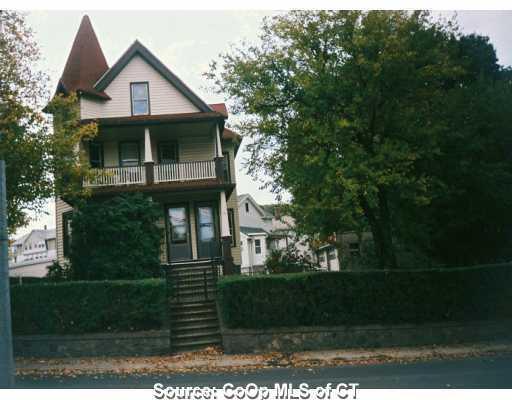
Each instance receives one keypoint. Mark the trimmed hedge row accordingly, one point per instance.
(366, 297)
(86, 307)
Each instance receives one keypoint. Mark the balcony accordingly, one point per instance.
(155, 174)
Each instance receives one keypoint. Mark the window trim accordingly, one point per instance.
(159, 148)
(120, 152)
(102, 153)
(66, 235)
(256, 246)
(131, 97)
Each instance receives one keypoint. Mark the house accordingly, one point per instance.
(158, 137)
(263, 229)
(32, 254)
(352, 246)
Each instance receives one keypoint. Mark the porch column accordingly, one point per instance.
(219, 159)
(148, 158)
(225, 235)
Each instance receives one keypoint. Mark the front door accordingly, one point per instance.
(207, 226)
(179, 233)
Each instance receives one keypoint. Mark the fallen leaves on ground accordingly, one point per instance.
(211, 359)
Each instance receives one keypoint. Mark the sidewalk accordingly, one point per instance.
(213, 360)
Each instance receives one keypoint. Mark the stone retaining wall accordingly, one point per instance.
(95, 344)
(368, 336)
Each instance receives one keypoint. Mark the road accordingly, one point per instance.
(468, 373)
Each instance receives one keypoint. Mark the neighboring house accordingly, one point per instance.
(156, 136)
(32, 254)
(352, 246)
(263, 229)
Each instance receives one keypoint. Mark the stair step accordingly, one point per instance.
(203, 333)
(196, 327)
(196, 284)
(189, 318)
(195, 305)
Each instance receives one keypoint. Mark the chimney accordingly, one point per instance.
(45, 227)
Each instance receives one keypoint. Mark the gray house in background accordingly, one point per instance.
(32, 254)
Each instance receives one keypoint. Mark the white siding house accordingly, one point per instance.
(32, 254)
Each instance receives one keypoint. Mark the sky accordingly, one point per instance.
(187, 41)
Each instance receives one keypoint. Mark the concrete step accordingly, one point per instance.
(197, 334)
(195, 327)
(190, 318)
(195, 344)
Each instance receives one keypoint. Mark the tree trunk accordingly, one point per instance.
(380, 225)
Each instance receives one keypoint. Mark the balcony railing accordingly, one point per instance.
(115, 176)
(174, 172)
(185, 171)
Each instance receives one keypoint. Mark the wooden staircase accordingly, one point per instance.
(194, 322)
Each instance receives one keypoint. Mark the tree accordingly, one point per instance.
(69, 163)
(25, 137)
(341, 108)
(116, 238)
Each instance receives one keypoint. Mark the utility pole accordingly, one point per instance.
(6, 354)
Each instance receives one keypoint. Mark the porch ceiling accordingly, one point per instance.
(158, 132)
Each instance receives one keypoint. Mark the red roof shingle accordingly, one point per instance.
(86, 63)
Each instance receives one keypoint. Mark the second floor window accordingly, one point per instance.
(96, 154)
(129, 154)
(225, 166)
(140, 98)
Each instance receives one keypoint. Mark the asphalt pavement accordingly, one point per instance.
(467, 373)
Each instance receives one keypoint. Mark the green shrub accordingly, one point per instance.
(83, 307)
(366, 297)
(288, 261)
(117, 238)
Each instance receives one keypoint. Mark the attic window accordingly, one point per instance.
(247, 207)
(140, 98)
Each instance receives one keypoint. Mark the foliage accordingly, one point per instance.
(367, 297)
(358, 114)
(83, 307)
(24, 137)
(69, 161)
(116, 238)
(58, 272)
(289, 260)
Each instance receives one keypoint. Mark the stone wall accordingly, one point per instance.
(368, 336)
(97, 344)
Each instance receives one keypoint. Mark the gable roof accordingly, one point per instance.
(86, 63)
(46, 234)
(248, 197)
(139, 49)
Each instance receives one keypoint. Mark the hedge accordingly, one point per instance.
(366, 297)
(86, 307)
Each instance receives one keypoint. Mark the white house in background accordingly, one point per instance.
(263, 229)
(33, 253)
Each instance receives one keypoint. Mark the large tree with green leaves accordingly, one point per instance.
(24, 140)
(347, 110)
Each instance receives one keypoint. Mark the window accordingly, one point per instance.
(321, 257)
(140, 98)
(332, 254)
(353, 249)
(96, 154)
(179, 228)
(257, 246)
(226, 167)
(167, 152)
(247, 207)
(66, 232)
(231, 219)
(129, 154)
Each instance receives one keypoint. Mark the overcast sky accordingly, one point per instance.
(187, 41)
